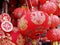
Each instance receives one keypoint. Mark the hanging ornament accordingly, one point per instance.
(7, 26)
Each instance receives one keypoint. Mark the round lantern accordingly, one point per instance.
(55, 21)
(18, 12)
(49, 7)
(5, 17)
(33, 19)
(54, 35)
(6, 26)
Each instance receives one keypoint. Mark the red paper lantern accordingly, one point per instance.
(34, 19)
(53, 34)
(5, 17)
(55, 21)
(18, 12)
(49, 7)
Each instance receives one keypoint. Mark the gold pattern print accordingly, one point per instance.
(23, 23)
(6, 42)
(37, 17)
(8, 36)
(2, 34)
(20, 40)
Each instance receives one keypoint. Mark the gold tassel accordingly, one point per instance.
(55, 43)
(34, 42)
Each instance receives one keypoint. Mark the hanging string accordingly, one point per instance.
(2, 10)
(5, 6)
(31, 3)
(27, 3)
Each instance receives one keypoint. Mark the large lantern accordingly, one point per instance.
(33, 20)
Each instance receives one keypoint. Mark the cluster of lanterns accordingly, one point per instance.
(27, 24)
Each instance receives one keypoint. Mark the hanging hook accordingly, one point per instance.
(5, 6)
